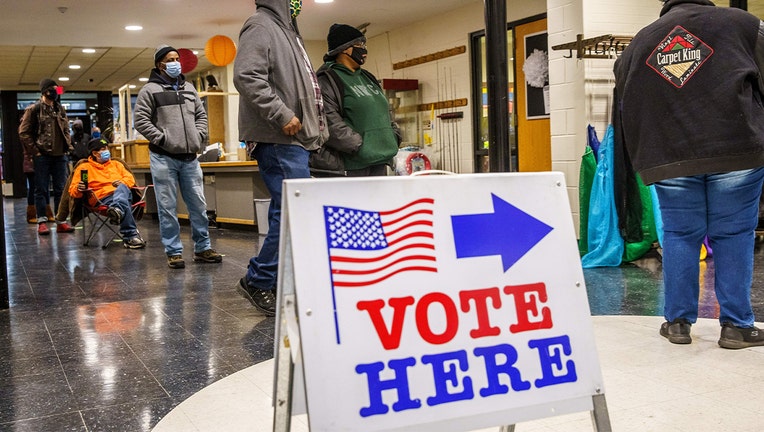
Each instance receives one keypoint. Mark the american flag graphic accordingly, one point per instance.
(368, 247)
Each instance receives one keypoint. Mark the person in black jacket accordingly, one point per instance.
(44, 133)
(689, 89)
(80, 140)
(362, 140)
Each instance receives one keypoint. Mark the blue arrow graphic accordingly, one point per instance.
(508, 231)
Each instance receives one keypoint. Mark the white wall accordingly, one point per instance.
(444, 79)
(581, 90)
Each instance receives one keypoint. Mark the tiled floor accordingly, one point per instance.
(114, 340)
(643, 374)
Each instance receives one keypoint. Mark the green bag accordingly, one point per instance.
(635, 250)
(585, 179)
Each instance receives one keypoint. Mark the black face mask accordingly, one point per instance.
(357, 55)
(51, 94)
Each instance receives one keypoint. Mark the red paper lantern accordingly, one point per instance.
(220, 50)
(188, 60)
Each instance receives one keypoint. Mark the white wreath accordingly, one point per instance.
(536, 69)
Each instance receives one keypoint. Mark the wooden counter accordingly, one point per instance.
(230, 188)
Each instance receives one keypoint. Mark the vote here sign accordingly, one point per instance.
(439, 302)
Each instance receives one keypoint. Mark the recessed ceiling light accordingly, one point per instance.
(143, 79)
(74, 66)
(133, 27)
(132, 86)
(88, 50)
(195, 52)
(63, 78)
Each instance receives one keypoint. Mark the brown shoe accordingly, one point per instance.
(49, 213)
(175, 261)
(209, 256)
(31, 214)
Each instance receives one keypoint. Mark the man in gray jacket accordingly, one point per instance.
(169, 113)
(281, 116)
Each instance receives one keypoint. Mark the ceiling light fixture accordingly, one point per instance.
(63, 78)
(133, 27)
(143, 79)
(132, 86)
(88, 50)
(74, 66)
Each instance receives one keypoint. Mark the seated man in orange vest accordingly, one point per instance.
(110, 183)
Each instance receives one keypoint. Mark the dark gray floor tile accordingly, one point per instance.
(139, 416)
(70, 422)
(33, 396)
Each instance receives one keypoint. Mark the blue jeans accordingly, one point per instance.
(121, 199)
(169, 175)
(725, 207)
(276, 162)
(47, 169)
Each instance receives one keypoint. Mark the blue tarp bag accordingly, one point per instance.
(605, 241)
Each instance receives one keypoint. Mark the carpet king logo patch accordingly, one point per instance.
(679, 56)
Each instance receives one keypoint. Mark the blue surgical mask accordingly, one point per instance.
(104, 156)
(96, 134)
(172, 69)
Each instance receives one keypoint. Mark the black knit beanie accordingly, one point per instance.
(162, 51)
(96, 143)
(341, 37)
(46, 83)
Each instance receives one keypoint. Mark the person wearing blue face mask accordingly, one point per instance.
(169, 113)
(110, 182)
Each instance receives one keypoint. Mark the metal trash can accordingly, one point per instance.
(261, 213)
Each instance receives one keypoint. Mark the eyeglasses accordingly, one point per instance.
(360, 45)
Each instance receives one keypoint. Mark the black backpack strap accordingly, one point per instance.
(336, 84)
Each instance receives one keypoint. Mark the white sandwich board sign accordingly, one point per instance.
(435, 303)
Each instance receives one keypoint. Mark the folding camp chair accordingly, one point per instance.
(95, 217)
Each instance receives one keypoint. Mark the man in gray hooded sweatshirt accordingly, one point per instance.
(281, 119)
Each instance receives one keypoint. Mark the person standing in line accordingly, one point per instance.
(281, 116)
(170, 115)
(689, 91)
(80, 140)
(360, 128)
(44, 132)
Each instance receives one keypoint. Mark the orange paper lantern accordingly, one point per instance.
(220, 50)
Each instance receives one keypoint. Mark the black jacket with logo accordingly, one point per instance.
(689, 89)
